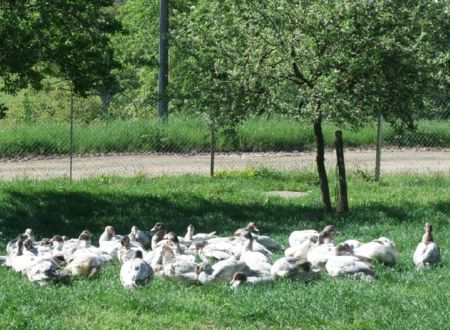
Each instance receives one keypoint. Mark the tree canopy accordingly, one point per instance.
(63, 38)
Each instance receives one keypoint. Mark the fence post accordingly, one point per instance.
(378, 148)
(71, 137)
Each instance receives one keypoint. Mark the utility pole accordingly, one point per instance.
(163, 78)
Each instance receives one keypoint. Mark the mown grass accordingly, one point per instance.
(188, 134)
(401, 297)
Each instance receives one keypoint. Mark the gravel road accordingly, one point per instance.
(392, 160)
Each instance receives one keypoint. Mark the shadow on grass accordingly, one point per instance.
(68, 213)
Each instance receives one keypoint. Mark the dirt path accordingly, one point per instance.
(398, 160)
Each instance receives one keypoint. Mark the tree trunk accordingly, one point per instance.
(320, 159)
(213, 149)
(341, 197)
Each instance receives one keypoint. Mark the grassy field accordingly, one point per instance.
(401, 297)
(182, 134)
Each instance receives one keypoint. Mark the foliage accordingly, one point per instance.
(65, 39)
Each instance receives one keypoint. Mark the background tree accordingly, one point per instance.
(348, 60)
(64, 39)
(213, 64)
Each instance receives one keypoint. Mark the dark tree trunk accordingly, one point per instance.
(213, 150)
(320, 159)
(341, 197)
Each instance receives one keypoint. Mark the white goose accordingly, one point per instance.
(382, 250)
(300, 250)
(159, 230)
(427, 252)
(269, 243)
(127, 249)
(11, 247)
(45, 271)
(241, 278)
(258, 262)
(135, 272)
(22, 260)
(291, 267)
(299, 236)
(320, 252)
(343, 263)
(221, 271)
(191, 237)
(140, 236)
(86, 260)
(109, 241)
(179, 269)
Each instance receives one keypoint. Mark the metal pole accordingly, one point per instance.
(378, 148)
(163, 78)
(71, 137)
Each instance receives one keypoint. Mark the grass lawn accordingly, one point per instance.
(186, 134)
(401, 297)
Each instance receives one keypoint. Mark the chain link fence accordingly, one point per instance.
(78, 147)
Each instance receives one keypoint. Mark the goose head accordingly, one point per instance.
(238, 279)
(85, 238)
(109, 231)
(28, 244)
(125, 241)
(29, 234)
(428, 237)
(326, 235)
(159, 226)
(138, 254)
(344, 249)
(133, 233)
(57, 242)
(251, 227)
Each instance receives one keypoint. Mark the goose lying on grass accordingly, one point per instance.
(269, 243)
(291, 267)
(301, 250)
(140, 236)
(175, 268)
(11, 246)
(258, 262)
(382, 250)
(242, 279)
(86, 260)
(135, 272)
(299, 236)
(109, 241)
(221, 271)
(127, 249)
(191, 237)
(343, 263)
(47, 271)
(427, 252)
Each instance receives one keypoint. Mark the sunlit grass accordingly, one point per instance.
(401, 297)
(192, 134)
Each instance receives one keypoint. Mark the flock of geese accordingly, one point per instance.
(206, 258)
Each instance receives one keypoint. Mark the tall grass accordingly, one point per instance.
(187, 134)
(401, 297)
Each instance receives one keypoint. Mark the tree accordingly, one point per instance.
(348, 60)
(212, 66)
(137, 47)
(64, 39)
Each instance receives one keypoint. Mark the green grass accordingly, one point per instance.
(401, 298)
(187, 134)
